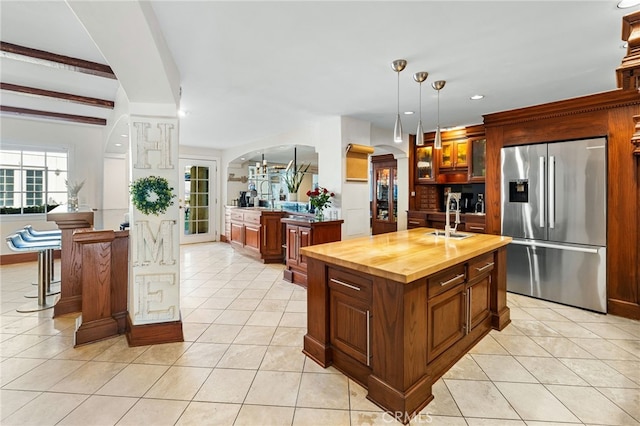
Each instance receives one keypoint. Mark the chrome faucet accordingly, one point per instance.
(452, 196)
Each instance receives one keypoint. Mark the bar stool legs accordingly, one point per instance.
(44, 281)
(49, 291)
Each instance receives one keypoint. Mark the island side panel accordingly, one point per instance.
(500, 313)
(399, 382)
(316, 341)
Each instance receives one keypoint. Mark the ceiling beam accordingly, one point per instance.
(27, 54)
(85, 100)
(52, 115)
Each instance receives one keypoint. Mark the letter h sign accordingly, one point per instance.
(144, 145)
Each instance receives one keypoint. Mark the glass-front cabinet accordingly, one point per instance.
(385, 194)
(425, 171)
(477, 166)
(454, 154)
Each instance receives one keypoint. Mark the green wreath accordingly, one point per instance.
(152, 195)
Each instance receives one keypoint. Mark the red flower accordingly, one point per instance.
(320, 198)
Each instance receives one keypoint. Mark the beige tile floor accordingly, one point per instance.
(241, 363)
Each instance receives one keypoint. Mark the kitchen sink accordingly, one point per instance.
(453, 235)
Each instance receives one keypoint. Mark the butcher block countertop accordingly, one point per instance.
(404, 256)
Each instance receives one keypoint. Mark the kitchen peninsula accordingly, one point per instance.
(395, 311)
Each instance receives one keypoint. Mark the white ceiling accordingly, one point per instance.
(255, 69)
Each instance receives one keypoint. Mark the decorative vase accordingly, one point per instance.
(292, 196)
(319, 214)
(72, 203)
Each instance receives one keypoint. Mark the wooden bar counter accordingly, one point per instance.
(395, 311)
(71, 258)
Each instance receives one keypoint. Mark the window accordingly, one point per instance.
(31, 181)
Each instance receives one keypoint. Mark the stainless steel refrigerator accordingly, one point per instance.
(554, 205)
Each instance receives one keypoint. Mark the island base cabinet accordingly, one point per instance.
(257, 233)
(398, 338)
(446, 320)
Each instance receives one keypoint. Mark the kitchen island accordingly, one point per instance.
(395, 311)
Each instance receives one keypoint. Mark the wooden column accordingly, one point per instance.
(104, 284)
(71, 258)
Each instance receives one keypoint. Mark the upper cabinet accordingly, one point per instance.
(425, 163)
(478, 148)
(453, 155)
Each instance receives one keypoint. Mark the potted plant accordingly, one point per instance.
(292, 179)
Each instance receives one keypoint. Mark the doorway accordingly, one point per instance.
(197, 201)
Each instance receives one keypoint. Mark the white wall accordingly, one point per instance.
(84, 144)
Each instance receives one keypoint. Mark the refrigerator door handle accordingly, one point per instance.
(541, 195)
(552, 191)
(555, 246)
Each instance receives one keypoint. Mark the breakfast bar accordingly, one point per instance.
(395, 311)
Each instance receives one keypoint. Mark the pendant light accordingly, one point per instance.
(419, 77)
(438, 85)
(398, 65)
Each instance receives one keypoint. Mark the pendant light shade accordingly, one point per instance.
(438, 85)
(398, 65)
(419, 77)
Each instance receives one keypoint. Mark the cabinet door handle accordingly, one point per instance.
(443, 283)
(353, 287)
(488, 265)
(477, 228)
(411, 222)
(264, 236)
(368, 339)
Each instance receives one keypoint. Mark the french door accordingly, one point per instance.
(197, 201)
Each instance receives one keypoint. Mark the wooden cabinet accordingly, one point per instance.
(416, 219)
(453, 155)
(397, 337)
(385, 194)
(303, 232)
(477, 164)
(469, 222)
(459, 301)
(474, 223)
(257, 233)
(350, 314)
(425, 164)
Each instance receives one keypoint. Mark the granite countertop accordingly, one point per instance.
(404, 256)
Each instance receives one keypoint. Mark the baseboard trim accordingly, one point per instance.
(154, 334)
(11, 259)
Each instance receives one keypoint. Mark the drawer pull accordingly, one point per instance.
(488, 265)
(353, 287)
(477, 228)
(412, 222)
(442, 284)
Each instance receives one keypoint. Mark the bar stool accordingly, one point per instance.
(30, 234)
(45, 251)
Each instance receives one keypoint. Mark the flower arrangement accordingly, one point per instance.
(320, 198)
(152, 195)
(293, 179)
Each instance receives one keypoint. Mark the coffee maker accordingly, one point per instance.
(242, 201)
(466, 202)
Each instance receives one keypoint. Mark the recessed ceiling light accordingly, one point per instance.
(476, 97)
(623, 4)
(124, 135)
(409, 113)
(242, 158)
(182, 113)
(118, 144)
